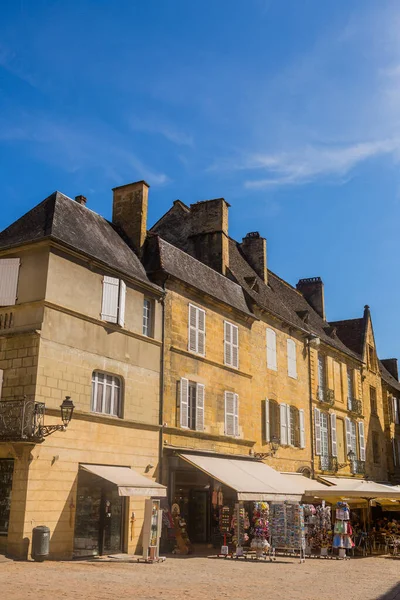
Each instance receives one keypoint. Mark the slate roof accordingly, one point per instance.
(388, 377)
(283, 300)
(62, 219)
(160, 255)
(351, 332)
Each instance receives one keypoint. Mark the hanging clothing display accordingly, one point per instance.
(318, 527)
(260, 528)
(343, 531)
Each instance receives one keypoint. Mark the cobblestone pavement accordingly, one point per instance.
(203, 578)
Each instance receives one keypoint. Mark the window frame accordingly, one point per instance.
(373, 402)
(230, 346)
(271, 351)
(196, 329)
(149, 317)
(114, 387)
(291, 358)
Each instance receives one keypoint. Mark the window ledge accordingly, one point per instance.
(209, 362)
(207, 436)
(81, 415)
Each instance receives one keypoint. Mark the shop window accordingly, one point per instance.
(197, 330)
(113, 302)
(6, 475)
(375, 448)
(191, 405)
(372, 399)
(148, 316)
(231, 345)
(106, 394)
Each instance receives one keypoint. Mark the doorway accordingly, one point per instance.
(99, 517)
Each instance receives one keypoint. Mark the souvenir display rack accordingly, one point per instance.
(260, 529)
(287, 533)
(342, 539)
(318, 529)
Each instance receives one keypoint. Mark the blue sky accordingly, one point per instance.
(290, 109)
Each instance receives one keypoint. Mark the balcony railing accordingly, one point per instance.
(326, 396)
(329, 464)
(357, 467)
(354, 406)
(21, 420)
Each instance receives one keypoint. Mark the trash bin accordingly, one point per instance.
(40, 543)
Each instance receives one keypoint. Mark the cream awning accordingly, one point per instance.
(300, 483)
(129, 482)
(252, 480)
(343, 487)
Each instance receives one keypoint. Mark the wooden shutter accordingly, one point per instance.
(283, 422)
(200, 393)
(348, 435)
(267, 422)
(361, 439)
(121, 307)
(302, 429)
(184, 403)
(236, 406)
(9, 269)
(288, 425)
(317, 427)
(192, 322)
(394, 452)
(201, 331)
(229, 413)
(227, 343)
(271, 349)
(235, 346)
(291, 358)
(333, 435)
(109, 309)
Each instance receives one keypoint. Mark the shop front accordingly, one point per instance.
(102, 507)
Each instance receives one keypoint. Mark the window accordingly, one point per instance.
(361, 439)
(106, 394)
(321, 377)
(113, 303)
(148, 317)
(351, 437)
(291, 358)
(350, 386)
(9, 270)
(231, 414)
(271, 349)
(284, 424)
(395, 404)
(6, 477)
(192, 405)
(231, 345)
(372, 399)
(371, 358)
(325, 435)
(395, 454)
(197, 330)
(376, 454)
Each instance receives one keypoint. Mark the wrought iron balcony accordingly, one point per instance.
(326, 396)
(357, 467)
(354, 406)
(329, 464)
(21, 420)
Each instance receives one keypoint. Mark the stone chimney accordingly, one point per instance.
(254, 247)
(81, 200)
(313, 291)
(209, 233)
(391, 365)
(130, 212)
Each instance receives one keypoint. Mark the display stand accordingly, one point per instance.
(287, 529)
(152, 531)
(260, 530)
(318, 529)
(342, 531)
(225, 527)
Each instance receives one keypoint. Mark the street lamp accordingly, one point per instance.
(274, 445)
(67, 409)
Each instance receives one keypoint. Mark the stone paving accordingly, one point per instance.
(203, 578)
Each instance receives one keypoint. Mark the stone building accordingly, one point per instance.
(391, 405)
(80, 318)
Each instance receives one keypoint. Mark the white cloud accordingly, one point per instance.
(153, 125)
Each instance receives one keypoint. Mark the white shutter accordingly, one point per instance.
(109, 309)
(361, 439)
(283, 414)
(201, 331)
(395, 410)
(394, 452)
(121, 307)
(302, 429)
(236, 407)
(184, 403)
(192, 324)
(271, 349)
(291, 358)
(333, 434)
(200, 392)
(289, 425)
(267, 423)
(229, 413)
(317, 425)
(227, 343)
(348, 435)
(9, 269)
(235, 346)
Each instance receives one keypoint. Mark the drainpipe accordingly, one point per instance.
(162, 361)
(308, 340)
